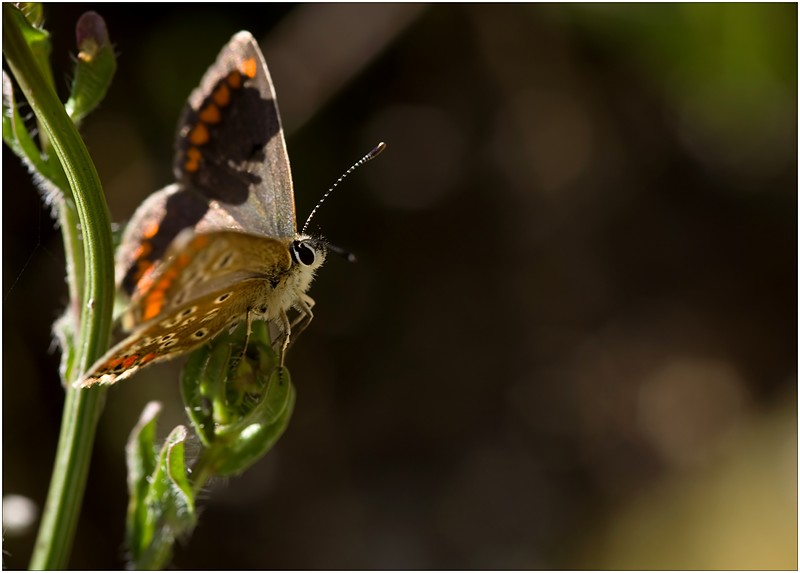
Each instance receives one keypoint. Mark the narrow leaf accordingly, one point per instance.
(168, 506)
(140, 454)
(16, 135)
(203, 387)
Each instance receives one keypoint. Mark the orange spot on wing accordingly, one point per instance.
(199, 135)
(168, 276)
(151, 230)
(200, 241)
(152, 308)
(147, 358)
(154, 301)
(145, 276)
(249, 67)
(210, 114)
(234, 80)
(222, 95)
(192, 162)
(130, 361)
(142, 251)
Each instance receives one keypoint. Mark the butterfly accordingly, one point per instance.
(220, 245)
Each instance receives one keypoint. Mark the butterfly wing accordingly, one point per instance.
(177, 332)
(231, 165)
(230, 143)
(198, 264)
(153, 228)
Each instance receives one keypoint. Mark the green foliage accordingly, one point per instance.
(161, 507)
(44, 167)
(239, 403)
(94, 69)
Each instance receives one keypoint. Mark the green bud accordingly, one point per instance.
(94, 66)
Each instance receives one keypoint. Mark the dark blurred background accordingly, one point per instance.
(570, 340)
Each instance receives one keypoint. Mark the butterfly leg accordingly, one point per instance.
(287, 334)
(301, 322)
(248, 317)
(292, 329)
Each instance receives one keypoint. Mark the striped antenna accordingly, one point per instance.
(368, 157)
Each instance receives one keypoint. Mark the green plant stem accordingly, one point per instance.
(75, 267)
(68, 482)
(81, 407)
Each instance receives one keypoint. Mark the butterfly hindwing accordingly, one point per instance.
(182, 330)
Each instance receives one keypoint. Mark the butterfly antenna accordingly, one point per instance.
(368, 157)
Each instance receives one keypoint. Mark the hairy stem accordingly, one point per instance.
(81, 407)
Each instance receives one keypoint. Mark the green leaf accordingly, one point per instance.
(179, 489)
(203, 387)
(240, 445)
(33, 11)
(161, 506)
(29, 18)
(94, 67)
(15, 134)
(19, 140)
(140, 454)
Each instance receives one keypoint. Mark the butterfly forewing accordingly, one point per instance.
(230, 145)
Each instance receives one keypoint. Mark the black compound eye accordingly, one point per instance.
(303, 253)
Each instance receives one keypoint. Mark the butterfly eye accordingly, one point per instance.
(303, 253)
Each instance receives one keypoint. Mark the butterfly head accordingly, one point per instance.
(308, 252)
